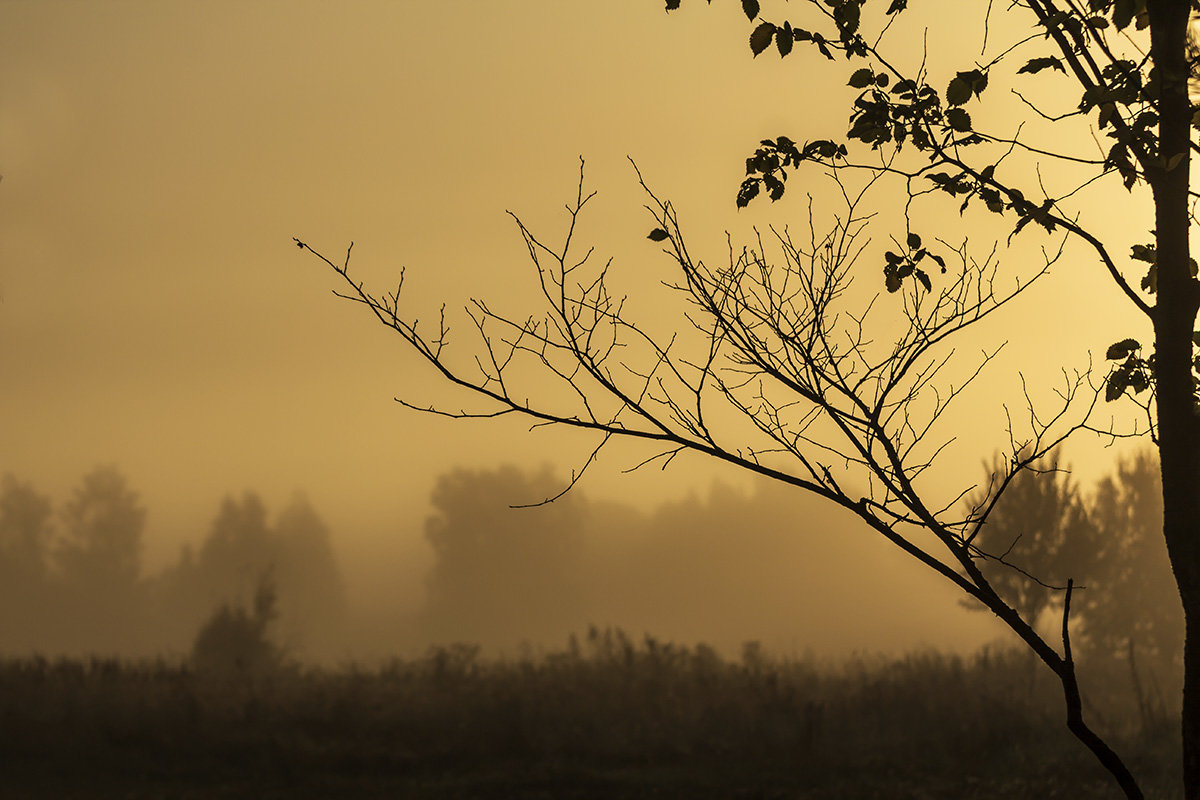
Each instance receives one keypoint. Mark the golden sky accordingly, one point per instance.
(157, 158)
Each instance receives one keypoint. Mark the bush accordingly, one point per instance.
(235, 640)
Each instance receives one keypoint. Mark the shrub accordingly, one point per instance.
(235, 640)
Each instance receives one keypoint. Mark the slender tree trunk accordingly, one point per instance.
(1174, 322)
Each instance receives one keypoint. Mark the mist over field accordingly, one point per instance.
(583, 645)
(722, 566)
(651, 254)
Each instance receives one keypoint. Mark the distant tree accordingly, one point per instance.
(1110, 541)
(313, 600)
(26, 528)
(103, 524)
(1043, 536)
(1132, 606)
(239, 546)
(99, 595)
(502, 574)
(242, 545)
(25, 532)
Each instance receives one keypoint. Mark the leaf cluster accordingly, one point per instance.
(767, 168)
(899, 266)
(1133, 373)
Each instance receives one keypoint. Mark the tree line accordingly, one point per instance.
(72, 578)
(721, 563)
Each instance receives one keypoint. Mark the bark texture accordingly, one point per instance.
(1174, 322)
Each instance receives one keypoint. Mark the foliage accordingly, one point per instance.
(1120, 87)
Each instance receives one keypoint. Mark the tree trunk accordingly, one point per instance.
(1174, 321)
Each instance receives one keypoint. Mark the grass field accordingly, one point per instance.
(605, 717)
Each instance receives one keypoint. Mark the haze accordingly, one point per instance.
(154, 314)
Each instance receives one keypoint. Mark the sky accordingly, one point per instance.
(158, 158)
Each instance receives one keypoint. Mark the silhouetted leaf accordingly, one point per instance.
(1150, 280)
(1144, 252)
(1123, 11)
(1115, 385)
(747, 192)
(965, 84)
(819, 41)
(774, 187)
(891, 281)
(958, 92)
(977, 79)
(672, 5)
(897, 6)
(784, 39)
(914, 241)
(924, 279)
(862, 78)
(959, 120)
(846, 14)
(761, 38)
(751, 8)
(1122, 349)
(657, 235)
(1107, 115)
(1035, 65)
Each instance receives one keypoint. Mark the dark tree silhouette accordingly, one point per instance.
(823, 396)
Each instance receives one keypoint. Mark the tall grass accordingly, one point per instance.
(606, 708)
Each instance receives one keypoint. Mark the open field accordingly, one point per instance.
(606, 717)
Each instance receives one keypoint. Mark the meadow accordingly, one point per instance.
(606, 716)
